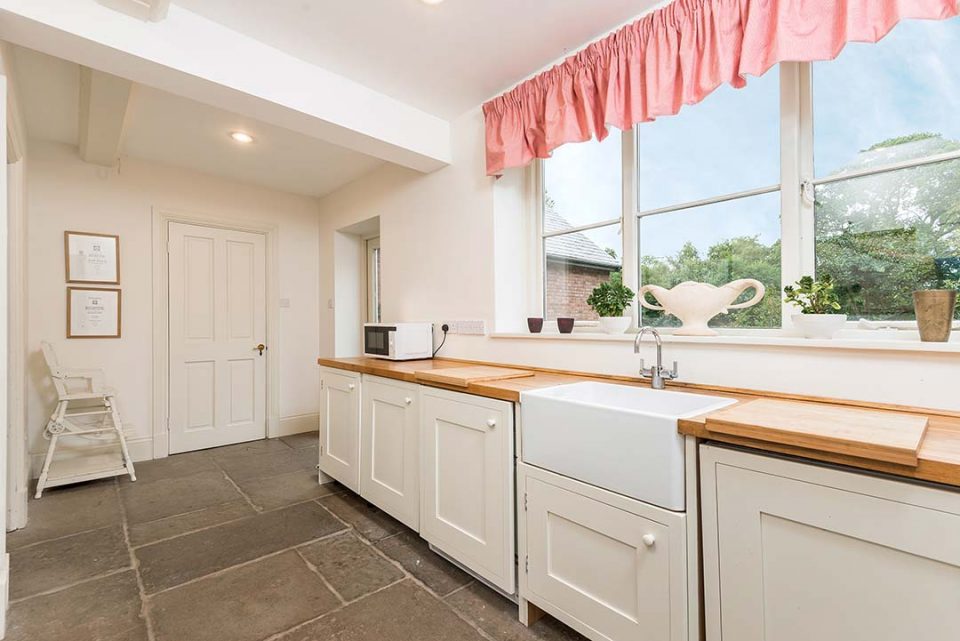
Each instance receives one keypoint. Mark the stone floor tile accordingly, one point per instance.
(168, 497)
(61, 562)
(269, 492)
(67, 510)
(106, 609)
(415, 556)
(151, 531)
(306, 439)
(403, 612)
(173, 466)
(175, 561)
(367, 520)
(240, 468)
(351, 566)
(262, 446)
(247, 603)
(498, 617)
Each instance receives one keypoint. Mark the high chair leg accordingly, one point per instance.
(127, 461)
(42, 481)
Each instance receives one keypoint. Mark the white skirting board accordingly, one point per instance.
(290, 425)
(141, 447)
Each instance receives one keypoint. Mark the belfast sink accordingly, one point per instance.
(618, 437)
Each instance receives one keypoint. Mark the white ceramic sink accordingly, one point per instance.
(617, 437)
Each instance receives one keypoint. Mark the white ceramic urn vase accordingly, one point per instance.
(696, 303)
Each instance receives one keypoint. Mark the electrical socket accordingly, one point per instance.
(467, 327)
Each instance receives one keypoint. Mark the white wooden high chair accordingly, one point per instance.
(83, 388)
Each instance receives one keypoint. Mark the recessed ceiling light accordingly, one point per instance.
(431, 1)
(241, 137)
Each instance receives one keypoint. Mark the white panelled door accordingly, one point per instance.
(217, 309)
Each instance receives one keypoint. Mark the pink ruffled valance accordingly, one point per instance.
(674, 56)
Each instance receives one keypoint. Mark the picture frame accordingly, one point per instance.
(93, 312)
(92, 258)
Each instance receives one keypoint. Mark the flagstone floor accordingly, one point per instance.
(240, 543)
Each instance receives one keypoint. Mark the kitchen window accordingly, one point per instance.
(849, 167)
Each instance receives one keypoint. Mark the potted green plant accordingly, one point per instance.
(818, 304)
(610, 299)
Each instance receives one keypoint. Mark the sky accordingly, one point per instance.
(907, 83)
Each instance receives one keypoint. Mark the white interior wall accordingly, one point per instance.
(66, 194)
(448, 251)
(436, 236)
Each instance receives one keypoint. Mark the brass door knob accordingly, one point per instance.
(260, 348)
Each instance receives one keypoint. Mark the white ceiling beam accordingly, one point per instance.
(104, 107)
(191, 56)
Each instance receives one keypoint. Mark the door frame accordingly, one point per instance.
(162, 217)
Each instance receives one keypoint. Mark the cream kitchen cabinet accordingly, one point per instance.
(795, 551)
(609, 566)
(389, 447)
(467, 482)
(340, 426)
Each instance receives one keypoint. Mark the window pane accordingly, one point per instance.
(716, 244)
(582, 184)
(575, 264)
(726, 144)
(902, 87)
(883, 236)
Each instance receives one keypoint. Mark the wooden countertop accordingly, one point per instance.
(939, 455)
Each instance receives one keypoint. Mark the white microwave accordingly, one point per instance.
(398, 341)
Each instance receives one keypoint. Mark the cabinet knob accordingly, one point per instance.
(649, 540)
(491, 422)
(351, 387)
(408, 400)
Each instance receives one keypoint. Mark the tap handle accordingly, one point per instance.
(674, 372)
(644, 371)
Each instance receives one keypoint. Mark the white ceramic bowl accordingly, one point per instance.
(819, 325)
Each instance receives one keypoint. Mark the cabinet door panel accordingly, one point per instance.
(798, 552)
(389, 456)
(340, 427)
(617, 573)
(467, 508)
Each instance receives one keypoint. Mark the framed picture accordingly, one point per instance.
(92, 258)
(93, 312)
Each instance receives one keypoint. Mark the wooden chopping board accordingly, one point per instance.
(871, 434)
(463, 376)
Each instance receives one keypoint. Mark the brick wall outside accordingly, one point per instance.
(568, 287)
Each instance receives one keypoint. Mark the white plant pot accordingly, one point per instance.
(819, 325)
(615, 324)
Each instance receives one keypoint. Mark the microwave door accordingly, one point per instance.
(376, 341)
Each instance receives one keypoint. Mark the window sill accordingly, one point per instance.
(847, 340)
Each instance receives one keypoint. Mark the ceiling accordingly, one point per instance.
(443, 59)
(173, 130)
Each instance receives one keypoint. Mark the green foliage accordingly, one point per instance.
(885, 235)
(612, 297)
(813, 296)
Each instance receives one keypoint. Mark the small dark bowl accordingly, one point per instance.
(565, 325)
(535, 325)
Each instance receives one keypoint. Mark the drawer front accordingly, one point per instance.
(794, 552)
(389, 454)
(340, 426)
(602, 569)
(467, 480)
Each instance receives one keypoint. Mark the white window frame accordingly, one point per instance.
(373, 288)
(796, 187)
